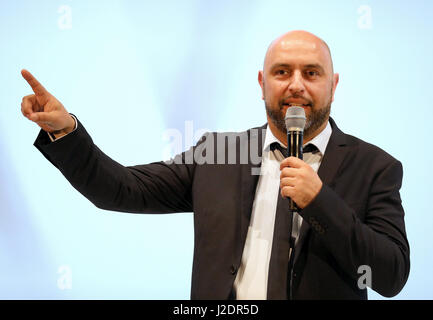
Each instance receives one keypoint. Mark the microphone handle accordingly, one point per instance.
(294, 149)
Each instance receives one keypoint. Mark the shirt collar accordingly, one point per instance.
(320, 141)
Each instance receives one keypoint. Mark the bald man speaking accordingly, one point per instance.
(349, 232)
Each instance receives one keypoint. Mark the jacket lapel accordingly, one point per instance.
(334, 155)
(249, 177)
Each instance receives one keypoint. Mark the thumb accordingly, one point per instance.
(42, 117)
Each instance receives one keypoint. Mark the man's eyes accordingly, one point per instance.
(307, 73)
(312, 73)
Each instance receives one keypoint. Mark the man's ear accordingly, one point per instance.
(335, 80)
(260, 78)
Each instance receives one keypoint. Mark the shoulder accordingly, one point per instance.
(371, 158)
(231, 138)
(363, 150)
(230, 146)
(368, 149)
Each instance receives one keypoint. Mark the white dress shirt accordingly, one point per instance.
(251, 282)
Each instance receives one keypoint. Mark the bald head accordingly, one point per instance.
(302, 41)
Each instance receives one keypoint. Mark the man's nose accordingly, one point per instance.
(296, 84)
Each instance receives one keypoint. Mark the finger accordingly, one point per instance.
(292, 162)
(37, 88)
(289, 173)
(27, 105)
(45, 117)
(287, 182)
(288, 192)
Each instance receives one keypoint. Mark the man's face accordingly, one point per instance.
(298, 71)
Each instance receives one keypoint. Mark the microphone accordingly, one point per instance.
(295, 123)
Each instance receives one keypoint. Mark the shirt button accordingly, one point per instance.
(233, 269)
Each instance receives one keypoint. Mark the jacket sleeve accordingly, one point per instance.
(379, 241)
(159, 187)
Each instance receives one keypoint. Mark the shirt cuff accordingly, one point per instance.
(53, 138)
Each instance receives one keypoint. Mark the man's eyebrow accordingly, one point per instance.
(315, 66)
(286, 65)
(280, 65)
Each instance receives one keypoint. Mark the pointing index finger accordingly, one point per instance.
(37, 88)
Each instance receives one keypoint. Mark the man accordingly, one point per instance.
(347, 190)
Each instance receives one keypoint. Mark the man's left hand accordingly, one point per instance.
(299, 181)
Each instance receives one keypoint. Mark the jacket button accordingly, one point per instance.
(233, 269)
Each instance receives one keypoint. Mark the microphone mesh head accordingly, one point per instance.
(295, 118)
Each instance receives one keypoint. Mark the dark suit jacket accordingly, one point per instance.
(356, 219)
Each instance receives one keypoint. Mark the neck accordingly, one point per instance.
(282, 136)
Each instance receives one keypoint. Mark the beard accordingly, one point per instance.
(316, 118)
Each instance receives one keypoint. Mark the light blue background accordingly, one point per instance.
(132, 70)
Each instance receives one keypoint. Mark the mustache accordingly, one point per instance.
(284, 101)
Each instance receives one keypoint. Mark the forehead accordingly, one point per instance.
(297, 52)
